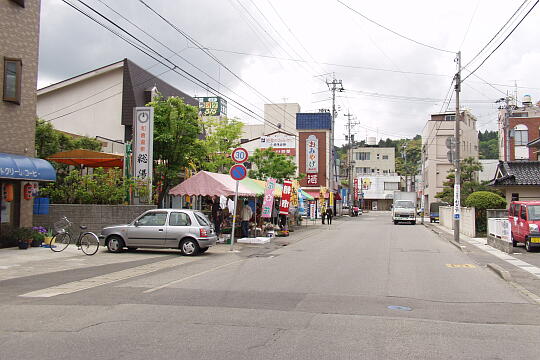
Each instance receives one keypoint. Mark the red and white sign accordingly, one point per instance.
(355, 189)
(285, 197)
(312, 155)
(238, 172)
(239, 155)
(281, 144)
(143, 137)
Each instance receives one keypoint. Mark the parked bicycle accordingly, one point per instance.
(87, 241)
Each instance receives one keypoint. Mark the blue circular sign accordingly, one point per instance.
(238, 172)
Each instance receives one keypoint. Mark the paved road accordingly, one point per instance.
(360, 289)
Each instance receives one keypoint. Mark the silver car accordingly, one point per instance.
(187, 230)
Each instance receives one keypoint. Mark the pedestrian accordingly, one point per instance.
(323, 213)
(329, 214)
(246, 215)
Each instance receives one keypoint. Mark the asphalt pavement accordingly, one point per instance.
(361, 288)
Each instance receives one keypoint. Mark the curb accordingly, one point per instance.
(504, 274)
(458, 245)
(440, 234)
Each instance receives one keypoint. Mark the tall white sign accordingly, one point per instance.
(143, 138)
(312, 155)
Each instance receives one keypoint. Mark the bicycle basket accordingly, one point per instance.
(61, 225)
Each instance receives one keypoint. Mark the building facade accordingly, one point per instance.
(377, 191)
(435, 136)
(373, 161)
(524, 127)
(99, 104)
(20, 172)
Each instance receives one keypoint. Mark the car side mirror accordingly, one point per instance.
(136, 223)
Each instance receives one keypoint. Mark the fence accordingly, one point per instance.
(467, 224)
(498, 234)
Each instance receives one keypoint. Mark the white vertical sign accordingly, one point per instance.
(457, 201)
(312, 155)
(143, 138)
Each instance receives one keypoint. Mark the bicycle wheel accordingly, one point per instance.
(89, 243)
(60, 241)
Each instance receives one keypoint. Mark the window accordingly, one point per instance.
(449, 117)
(385, 157)
(523, 212)
(362, 156)
(514, 115)
(378, 156)
(534, 212)
(363, 170)
(521, 135)
(179, 219)
(12, 80)
(391, 186)
(153, 219)
(202, 219)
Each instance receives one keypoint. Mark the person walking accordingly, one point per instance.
(323, 213)
(246, 215)
(329, 214)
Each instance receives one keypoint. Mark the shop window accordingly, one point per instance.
(12, 80)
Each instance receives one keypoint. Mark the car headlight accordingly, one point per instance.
(533, 227)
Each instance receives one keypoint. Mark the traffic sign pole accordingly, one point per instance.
(234, 215)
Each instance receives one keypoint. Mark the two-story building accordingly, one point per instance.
(20, 171)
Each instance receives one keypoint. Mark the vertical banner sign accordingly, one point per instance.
(312, 213)
(143, 138)
(268, 198)
(355, 189)
(331, 198)
(457, 201)
(312, 160)
(322, 192)
(285, 197)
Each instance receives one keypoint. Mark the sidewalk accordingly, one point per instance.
(520, 273)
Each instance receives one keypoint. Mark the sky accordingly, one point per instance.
(274, 51)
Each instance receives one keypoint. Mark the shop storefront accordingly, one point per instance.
(19, 182)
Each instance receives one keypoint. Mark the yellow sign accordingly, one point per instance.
(331, 198)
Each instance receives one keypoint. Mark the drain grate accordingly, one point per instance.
(401, 308)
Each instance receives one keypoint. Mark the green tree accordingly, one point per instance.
(176, 141)
(270, 164)
(223, 135)
(50, 141)
(411, 150)
(481, 201)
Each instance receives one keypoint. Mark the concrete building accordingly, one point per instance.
(277, 117)
(524, 127)
(20, 172)
(99, 103)
(519, 180)
(280, 141)
(378, 191)
(374, 160)
(438, 129)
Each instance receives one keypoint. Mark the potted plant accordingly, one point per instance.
(38, 235)
(48, 237)
(23, 237)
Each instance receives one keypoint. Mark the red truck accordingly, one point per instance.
(524, 218)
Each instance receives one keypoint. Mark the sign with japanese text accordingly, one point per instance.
(280, 143)
(285, 197)
(331, 197)
(312, 155)
(355, 189)
(268, 200)
(143, 138)
(457, 201)
(312, 211)
(212, 106)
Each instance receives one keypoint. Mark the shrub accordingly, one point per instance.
(481, 201)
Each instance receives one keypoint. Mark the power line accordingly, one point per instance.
(394, 32)
(172, 67)
(502, 42)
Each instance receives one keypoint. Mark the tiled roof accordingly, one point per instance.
(520, 173)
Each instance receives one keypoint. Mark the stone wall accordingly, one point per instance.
(96, 217)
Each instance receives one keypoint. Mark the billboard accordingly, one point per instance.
(280, 143)
(212, 106)
(143, 138)
(312, 158)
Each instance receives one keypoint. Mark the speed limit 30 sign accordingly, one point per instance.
(239, 155)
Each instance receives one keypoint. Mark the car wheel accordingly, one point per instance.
(115, 244)
(514, 242)
(189, 247)
(528, 246)
(203, 250)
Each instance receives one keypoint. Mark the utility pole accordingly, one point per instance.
(350, 167)
(333, 86)
(457, 182)
(404, 156)
(422, 200)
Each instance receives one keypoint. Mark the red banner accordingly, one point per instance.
(355, 189)
(285, 197)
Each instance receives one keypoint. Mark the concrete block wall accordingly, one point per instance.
(467, 225)
(95, 217)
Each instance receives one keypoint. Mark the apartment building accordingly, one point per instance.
(20, 172)
(438, 129)
(374, 160)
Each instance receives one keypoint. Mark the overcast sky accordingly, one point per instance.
(319, 33)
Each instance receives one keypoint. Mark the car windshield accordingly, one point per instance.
(407, 204)
(534, 212)
(202, 219)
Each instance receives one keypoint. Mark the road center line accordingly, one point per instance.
(191, 276)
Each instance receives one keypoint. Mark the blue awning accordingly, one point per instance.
(18, 167)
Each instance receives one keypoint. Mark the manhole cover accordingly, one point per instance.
(397, 307)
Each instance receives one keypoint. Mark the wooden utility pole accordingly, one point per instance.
(457, 182)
